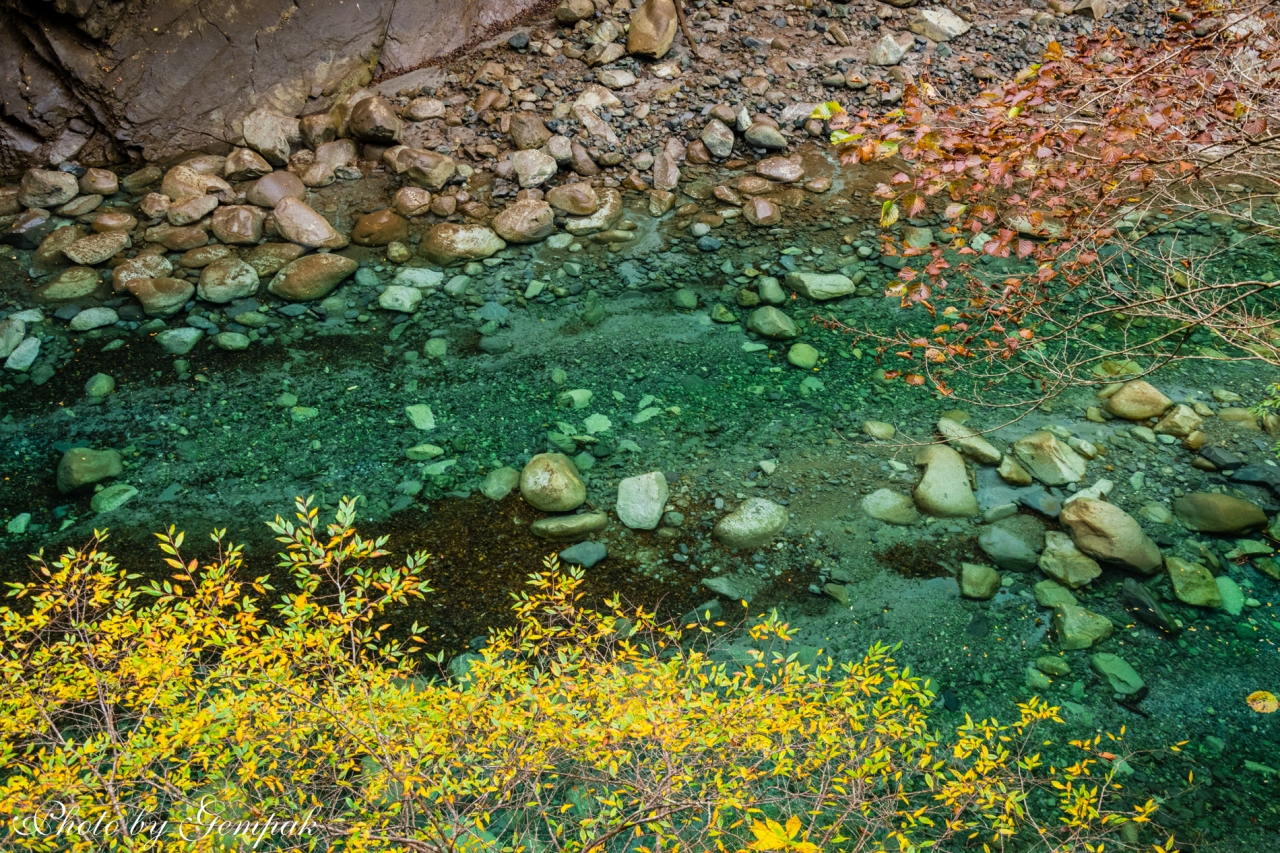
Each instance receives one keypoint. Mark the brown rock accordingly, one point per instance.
(412, 201)
(373, 120)
(268, 134)
(1108, 533)
(183, 181)
(528, 131)
(298, 223)
(762, 212)
(162, 297)
(143, 266)
(339, 152)
(576, 199)
(227, 280)
(550, 482)
(80, 206)
(238, 224)
(569, 12)
(81, 466)
(201, 256)
(525, 222)
(317, 175)
(1138, 401)
(317, 129)
(653, 28)
(191, 209)
(43, 188)
(380, 228)
(781, 169)
(97, 248)
(580, 161)
(99, 182)
(114, 220)
(154, 205)
(49, 254)
(311, 277)
(244, 164)
(444, 205)
(270, 258)
(182, 239)
(448, 242)
(270, 190)
(1211, 512)
(427, 169)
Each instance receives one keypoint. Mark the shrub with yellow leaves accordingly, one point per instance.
(176, 716)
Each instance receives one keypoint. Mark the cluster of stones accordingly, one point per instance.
(1098, 534)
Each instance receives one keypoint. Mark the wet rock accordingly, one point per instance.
(533, 168)
(769, 322)
(576, 199)
(380, 228)
(426, 169)
(666, 172)
(12, 331)
(1193, 583)
(550, 482)
(83, 466)
(97, 248)
(270, 190)
(944, 490)
(268, 134)
(338, 153)
(735, 587)
(761, 212)
(1049, 460)
(372, 119)
(525, 222)
(642, 500)
(231, 341)
(803, 356)
(238, 224)
(412, 201)
(162, 297)
(449, 242)
(940, 25)
(653, 28)
(1232, 595)
(605, 217)
(755, 523)
(182, 182)
(99, 182)
(298, 223)
(1118, 675)
(100, 385)
(819, 286)
(311, 277)
(1014, 543)
(781, 169)
(879, 430)
(970, 443)
(1137, 401)
(244, 164)
(528, 131)
(1078, 628)
(585, 554)
(890, 507)
(1065, 563)
(766, 136)
(978, 581)
(43, 188)
(226, 280)
(191, 209)
(1108, 533)
(1211, 512)
(114, 220)
(499, 483)
(1141, 603)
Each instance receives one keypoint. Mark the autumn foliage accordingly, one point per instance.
(1093, 211)
(578, 729)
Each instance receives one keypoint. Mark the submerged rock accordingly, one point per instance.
(1108, 533)
(754, 524)
(1213, 512)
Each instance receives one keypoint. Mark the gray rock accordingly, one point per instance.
(23, 356)
(891, 507)
(1065, 563)
(769, 322)
(83, 466)
(1122, 678)
(179, 341)
(887, 51)
(821, 286)
(944, 490)
(978, 581)
(93, 318)
(550, 482)
(585, 554)
(499, 482)
(1014, 543)
(570, 527)
(735, 587)
(642, 500)
(755, 523)
(1079, 628)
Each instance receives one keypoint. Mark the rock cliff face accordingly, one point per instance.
(104, 80)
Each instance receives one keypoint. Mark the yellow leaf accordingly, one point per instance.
(1263, 702)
